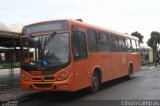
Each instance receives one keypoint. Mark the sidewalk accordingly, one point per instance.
(7, 71)
(10, 86)
(150, 67)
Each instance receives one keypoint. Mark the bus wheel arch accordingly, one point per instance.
(96, 80)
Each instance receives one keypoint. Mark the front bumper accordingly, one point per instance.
(65, 85)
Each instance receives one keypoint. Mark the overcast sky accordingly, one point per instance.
(124, 16)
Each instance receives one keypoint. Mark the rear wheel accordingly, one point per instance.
(95, 82)
(130, 72)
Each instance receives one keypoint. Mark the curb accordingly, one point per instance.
(148, 65)
(15, 101)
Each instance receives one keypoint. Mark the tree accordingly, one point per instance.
(137, 34)
(154, 42)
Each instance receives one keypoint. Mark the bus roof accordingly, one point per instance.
(83, 24)
(101, 29)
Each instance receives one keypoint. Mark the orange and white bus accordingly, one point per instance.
(69, 55)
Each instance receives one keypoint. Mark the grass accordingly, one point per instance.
(8, 65)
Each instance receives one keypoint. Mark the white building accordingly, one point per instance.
(147, 54)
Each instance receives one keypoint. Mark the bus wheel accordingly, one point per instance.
(95, 82)
(130, 72)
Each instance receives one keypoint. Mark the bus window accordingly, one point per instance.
(92, 41)
(113, 43)
(116, 44)
(79, 45)
(122, 45)
(138, 46)
(134, 45)
(128, 44)
(103, 42)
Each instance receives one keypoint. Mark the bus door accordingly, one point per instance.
(80, 56)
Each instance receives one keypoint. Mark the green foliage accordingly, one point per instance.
(8, 65)
(154, 40)
(137, 34)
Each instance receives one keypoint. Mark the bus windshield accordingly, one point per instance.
(45, 50)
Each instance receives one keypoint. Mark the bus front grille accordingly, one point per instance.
(41, 73)
(44, 78)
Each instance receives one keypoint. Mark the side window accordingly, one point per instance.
(116, 44)
(103, 42)
(133, 45)
(92, 41)
(113, 43)
(79, 45)
(128, 44)
(138, 46)
(122, 44)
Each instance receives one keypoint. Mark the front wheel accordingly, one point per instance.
(95, 82)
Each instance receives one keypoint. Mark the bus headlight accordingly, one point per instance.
(64, 75)
(25, 78)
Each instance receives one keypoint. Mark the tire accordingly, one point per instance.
(95, 82)
(130, 72)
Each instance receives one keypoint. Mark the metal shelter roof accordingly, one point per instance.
(8, 38)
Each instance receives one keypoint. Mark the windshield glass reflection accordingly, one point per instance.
(46, 50)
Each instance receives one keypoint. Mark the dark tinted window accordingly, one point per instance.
(92, 41)
(113, 41)
(116, 43)
(79, 45)
(122, 44)
(103, 42)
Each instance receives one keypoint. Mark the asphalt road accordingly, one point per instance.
(144, 86)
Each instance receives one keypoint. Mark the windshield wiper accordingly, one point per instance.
(46, 42)
(49, 39)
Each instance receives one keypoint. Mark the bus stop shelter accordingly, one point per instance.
(9, 49)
